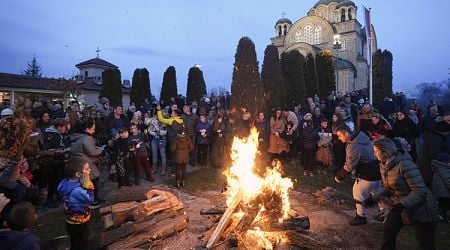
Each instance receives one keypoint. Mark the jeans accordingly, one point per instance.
(424, 232)
(159, 145)
(361, 191)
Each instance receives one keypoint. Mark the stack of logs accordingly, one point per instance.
(234, 229)
(132, 224)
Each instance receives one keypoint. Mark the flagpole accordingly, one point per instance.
(370, 64)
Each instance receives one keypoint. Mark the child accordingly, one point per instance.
(324, 151)
(121, 158)
(180, 151)
(78, 193)
(17, 234)
(289, 136)
(140, 154)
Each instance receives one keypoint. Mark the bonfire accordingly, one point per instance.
(258, 213)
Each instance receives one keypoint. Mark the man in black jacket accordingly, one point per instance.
(58, 140)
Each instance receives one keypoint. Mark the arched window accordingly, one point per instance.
(298, 36)
(307, 34)
(285, 30)
(342, 15)
(349, 13)
(332, 16)
(279, 30)
(85, 74)
(318, 35)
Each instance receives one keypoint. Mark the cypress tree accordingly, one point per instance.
(169, 84)
(141, 86)
(112, 86)
(272, 79)
(387, 71)
(377, 78)
(293, 67)
(196, 86)
(325, 72)
(246, 88)
(311, 78)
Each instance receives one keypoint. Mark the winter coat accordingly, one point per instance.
(264, 131)
(138, 140)
(406, 129)
(174, 124)
(404, 183)
(198, 128)
(277, 145)
(359, 156)
(189, 122)
(83, 144)
(18, 240)
(57, 141)
(308, 136)
(180, 149)
(440, 186)
(76, 201)
(434, 143)
(364, 121)
(112, 122)
(379, 130)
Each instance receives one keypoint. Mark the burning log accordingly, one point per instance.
(212, 211)
(298, 224)
(224, 220)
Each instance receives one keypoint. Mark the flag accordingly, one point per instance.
(368, 29)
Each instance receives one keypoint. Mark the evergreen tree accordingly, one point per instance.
(141, 86)
(112, 86)
(387, 71)
(325, 72)
(196, 87)
(169, 84)
(293, 66)
(272, 79)
(381, 76)
(246, 88)
(33, 69)
(311, 78)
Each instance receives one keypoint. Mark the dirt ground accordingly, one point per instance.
(328, 220)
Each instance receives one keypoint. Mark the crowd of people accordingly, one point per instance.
(398, 149)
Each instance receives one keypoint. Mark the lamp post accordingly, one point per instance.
(337, 45)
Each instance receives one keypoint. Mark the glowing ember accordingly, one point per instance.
(242, 177)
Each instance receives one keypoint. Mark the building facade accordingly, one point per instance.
(316, 32)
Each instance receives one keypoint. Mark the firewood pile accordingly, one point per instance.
(256, 225)
(133, 224)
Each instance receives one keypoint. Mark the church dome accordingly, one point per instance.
(346, 3)
(283, 20)
(326, 2)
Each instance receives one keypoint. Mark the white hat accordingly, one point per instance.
(306, 115)
(137, 113)
(7, 111)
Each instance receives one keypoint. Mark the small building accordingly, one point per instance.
(85, 87)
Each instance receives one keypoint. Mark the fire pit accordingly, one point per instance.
(258, 213)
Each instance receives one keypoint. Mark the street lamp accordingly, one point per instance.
(337, 45)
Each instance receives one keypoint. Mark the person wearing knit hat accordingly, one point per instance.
(307, 116)
(7, 112)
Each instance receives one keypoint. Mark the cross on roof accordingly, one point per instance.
(98, 51)
(283, 14)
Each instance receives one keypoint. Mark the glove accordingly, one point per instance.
(340, 175)
(397, 207)
(369, 202)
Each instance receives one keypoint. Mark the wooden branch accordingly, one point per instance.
(212, 211)
(224, 220)
(160, 230)
(129, 228)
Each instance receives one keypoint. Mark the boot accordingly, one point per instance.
(177, 184)
(358, 220)
(183, 183)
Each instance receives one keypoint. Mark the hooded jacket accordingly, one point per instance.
(76, 201)
(12, 239)
(85, 145)
(174, 123)
(361, 158)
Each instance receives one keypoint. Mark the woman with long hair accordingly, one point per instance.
(277, 145)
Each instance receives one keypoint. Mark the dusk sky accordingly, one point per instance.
(157, 34)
